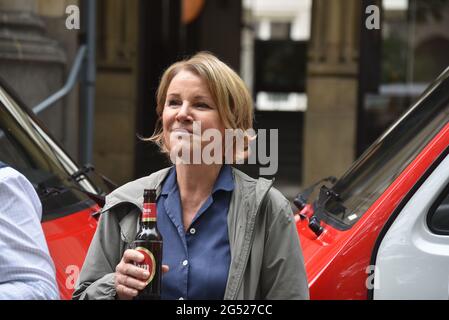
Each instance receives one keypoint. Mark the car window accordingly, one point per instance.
(25, 147)
(438, 216)
(385, 160)
(11, 153)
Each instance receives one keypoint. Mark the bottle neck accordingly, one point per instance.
(149, 214)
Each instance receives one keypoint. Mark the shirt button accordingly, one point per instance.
(192, 231)
(185, 262)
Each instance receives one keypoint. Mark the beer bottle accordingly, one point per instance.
(149, 242)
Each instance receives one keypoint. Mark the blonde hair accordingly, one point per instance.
(229, 92)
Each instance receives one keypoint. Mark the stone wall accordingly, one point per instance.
(36, 52)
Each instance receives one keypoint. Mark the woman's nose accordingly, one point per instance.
(184, 113)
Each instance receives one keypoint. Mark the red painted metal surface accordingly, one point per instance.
(68, 240)
(337, 261)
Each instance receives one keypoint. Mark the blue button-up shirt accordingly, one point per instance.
(199, 258)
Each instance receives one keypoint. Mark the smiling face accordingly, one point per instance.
(203, 89)
(188, 100)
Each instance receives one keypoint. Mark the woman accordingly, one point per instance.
(226, 235)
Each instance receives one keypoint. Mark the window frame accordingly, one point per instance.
(433, 209)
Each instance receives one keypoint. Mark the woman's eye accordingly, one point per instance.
(202, 106)
(173, 103)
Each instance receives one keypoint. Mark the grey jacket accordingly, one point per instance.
(266, 256)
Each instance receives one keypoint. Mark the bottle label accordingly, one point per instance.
(148, 264)
(149, 212)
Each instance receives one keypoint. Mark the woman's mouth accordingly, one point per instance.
(181, 131)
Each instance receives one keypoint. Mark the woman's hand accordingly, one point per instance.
(129, 279)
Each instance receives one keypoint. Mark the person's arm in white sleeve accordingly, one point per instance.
(26, 268)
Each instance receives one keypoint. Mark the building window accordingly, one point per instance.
(280, 30)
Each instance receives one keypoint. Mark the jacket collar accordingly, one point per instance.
(244, 206)
(132, 192)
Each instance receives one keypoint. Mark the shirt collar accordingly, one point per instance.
(170, 182)
(225, 181)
